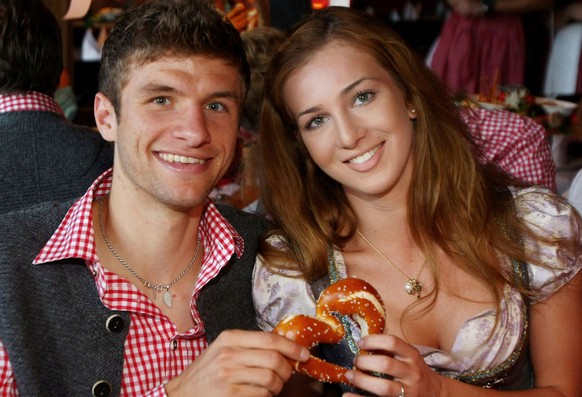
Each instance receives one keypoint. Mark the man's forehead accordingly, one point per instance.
(183, 65)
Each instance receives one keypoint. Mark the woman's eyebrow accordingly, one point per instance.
(343, 92)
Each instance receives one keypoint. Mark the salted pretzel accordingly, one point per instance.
(351, 296)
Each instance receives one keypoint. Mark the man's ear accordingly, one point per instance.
(105, 117)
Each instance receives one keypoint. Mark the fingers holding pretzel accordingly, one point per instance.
(352, 297)
(394, 368)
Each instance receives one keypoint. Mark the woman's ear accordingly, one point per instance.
(105, 117)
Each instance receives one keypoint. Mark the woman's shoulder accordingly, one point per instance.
(279, 292)
(550, 214)
(557, 252)
(535, 191)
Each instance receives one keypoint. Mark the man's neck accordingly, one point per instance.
(154, 244)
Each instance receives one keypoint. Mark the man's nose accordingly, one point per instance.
(193, 127)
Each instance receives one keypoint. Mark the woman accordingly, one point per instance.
(367, 171)
(484, 43)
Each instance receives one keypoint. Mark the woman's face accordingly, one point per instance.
(353, 120)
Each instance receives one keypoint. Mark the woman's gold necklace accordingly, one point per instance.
(167, 296)
(412, 285)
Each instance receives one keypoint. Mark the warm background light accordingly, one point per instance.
(319, 4)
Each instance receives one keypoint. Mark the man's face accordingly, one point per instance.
(177, 131)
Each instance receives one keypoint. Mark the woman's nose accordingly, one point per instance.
(349, 131)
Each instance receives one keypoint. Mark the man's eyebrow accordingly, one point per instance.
(156, 88)
(225, 94)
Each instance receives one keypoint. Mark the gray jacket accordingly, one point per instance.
(60, 338)
(46, 158)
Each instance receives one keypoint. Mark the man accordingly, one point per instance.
(44, 157)
(142, 274)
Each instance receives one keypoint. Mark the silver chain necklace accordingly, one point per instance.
(167, 297)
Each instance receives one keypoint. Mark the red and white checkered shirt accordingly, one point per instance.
(155, 352)
(30, 101)
(516, 144)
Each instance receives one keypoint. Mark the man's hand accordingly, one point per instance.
(240, 363)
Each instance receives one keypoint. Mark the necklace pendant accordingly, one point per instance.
(168, 298)
(413, 287)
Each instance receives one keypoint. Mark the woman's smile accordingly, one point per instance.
(362, 158)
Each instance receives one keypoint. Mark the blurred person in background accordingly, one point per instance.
(260, 45)
(570, 12)
(45, 157)
(485, 43)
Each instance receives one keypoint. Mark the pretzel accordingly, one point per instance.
(353, 297)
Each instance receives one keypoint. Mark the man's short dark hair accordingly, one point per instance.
(156, 28)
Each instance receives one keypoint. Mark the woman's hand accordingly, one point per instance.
(408, 374)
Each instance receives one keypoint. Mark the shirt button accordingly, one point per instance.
(174, 344)
(101, 388)
(115, 323)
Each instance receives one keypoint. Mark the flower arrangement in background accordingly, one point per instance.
(517, 99)
(557, 116)
(513, 98)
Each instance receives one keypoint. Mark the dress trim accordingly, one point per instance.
(497, 376)
(492, 378)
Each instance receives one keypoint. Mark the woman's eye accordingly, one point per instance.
(363, 97)
(315, 122)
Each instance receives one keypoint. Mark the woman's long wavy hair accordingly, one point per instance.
(454, 202)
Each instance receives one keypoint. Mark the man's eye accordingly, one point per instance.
(161, 101)
(215, 106)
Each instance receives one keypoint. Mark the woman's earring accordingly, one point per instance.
(413, 111)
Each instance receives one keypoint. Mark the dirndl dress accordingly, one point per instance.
(475, 54)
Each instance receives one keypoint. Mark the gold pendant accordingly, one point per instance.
(413, 287)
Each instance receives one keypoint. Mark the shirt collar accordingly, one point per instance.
(31, 101)
(74, 237)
